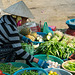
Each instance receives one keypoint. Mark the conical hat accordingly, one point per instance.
(19, 9)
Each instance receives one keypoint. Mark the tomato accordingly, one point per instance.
(1, 72)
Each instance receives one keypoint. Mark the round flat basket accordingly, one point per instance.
(59, 71)
(38, 70)
(46, 58)
(66, 63)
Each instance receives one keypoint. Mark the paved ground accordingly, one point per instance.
(54, 12)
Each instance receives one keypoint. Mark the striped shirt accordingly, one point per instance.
(9, 35)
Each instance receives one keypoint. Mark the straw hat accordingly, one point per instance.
(19, 9)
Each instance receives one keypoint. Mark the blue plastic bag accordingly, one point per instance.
(46, 29)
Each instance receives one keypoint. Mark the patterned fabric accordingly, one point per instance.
(10, 35)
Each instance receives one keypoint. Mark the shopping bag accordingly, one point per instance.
(46, 29)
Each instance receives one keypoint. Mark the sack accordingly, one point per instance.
(46, 29)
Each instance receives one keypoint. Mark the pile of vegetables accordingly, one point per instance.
(70, 66)
(60, 45)
(9, 68)
(30, 73)
(33, 35)
(53, 64)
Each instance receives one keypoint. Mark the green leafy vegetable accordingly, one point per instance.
(70, 66)
(8, 68)
(28, 48)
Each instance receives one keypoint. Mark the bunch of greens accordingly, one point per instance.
(9, 68)
(30, 73)
(28, 48)
(57, 36)
(55, 48)
(70, 66)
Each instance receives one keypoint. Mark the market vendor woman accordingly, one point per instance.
(10, 44)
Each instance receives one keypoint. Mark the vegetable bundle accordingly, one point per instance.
(62, 46)
(70, 66)
(30, 73)
(28, 48)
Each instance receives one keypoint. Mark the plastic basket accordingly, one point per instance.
(70, 23)
(59, 71)
(39, 70)
(6, 73)
(44, 57)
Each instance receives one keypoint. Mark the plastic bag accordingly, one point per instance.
(46, 28)
(33, 26)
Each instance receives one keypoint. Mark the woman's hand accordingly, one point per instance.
(25, 39)
(41, 63)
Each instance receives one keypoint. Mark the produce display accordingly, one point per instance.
(8, 68)
(52, 73)
(53, 64)
(34, 36)
(60, 45)
(70, 66)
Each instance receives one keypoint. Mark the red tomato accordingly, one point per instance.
(1, 72)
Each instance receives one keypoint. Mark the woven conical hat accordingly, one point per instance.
(19, 9)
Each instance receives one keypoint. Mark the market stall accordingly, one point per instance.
(54, 47)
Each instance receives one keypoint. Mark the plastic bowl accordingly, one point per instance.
(71, 23)
(44, 57)
(59, 71)
(6, 73)
(40, 71)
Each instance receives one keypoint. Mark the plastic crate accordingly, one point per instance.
(39, 70)
(59, 71)
(71, 23)
(44, 57)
